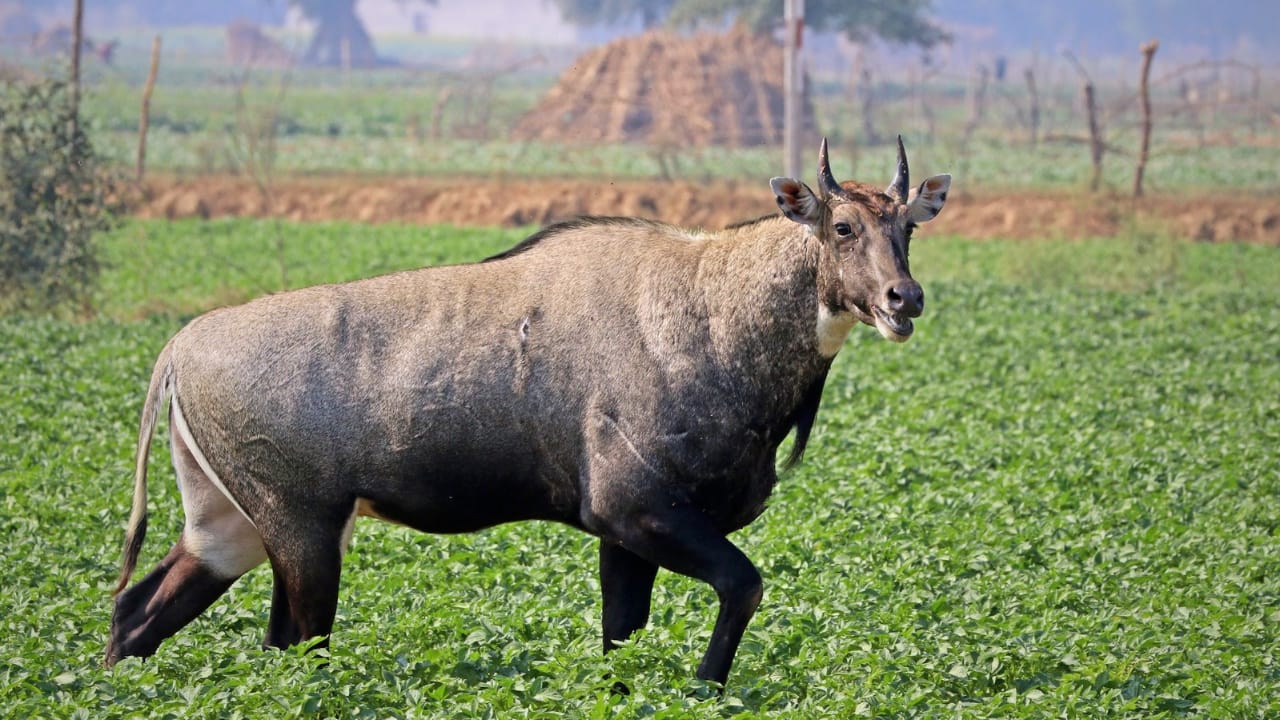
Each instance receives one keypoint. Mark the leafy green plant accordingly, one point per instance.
(1061, 499)
(54, 196)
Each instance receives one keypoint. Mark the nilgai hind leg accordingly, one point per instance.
(218, 545)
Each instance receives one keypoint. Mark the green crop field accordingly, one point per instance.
(1060, 499)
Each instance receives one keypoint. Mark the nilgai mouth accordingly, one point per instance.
(892, 326)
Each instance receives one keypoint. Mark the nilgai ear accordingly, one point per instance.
(796, 200)
(927, 200)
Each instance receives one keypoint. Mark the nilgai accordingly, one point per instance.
(626, 377)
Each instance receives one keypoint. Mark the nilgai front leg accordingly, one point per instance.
(626, 582)
(682, 539)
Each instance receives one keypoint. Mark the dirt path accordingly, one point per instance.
(536, 202)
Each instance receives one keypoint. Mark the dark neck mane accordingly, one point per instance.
(577, 223)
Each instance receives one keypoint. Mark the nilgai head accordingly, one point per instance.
(867, 232)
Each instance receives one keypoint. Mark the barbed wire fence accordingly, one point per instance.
(953, 110)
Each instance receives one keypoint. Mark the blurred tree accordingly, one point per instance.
(900, 21)
(1120, 26)
(614, 12)
(55, 195)
(337, 25)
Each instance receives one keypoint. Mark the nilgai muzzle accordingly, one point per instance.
(626, 377)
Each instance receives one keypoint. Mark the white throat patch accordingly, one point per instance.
(833, 328)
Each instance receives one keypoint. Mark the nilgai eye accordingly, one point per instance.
(844, 229)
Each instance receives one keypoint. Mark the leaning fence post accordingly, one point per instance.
(976, 101)
(145, 120)
(1144, 94)
(870, 135)
(1034, 110)
(1254, 101)
(1095, 132)
(1095, 135)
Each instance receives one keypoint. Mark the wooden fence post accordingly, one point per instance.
(1254, 101)
(1034, 110)
(145, 120)
(1096, 145)
(870, 135)
(77, 41)
(976, 100)
(1095, 135)
(1144, 94)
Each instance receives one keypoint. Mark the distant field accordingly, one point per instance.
(1061, 499)
(988, 165)
(327, 129)
(205, 114)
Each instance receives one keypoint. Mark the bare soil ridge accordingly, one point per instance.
(984, 214)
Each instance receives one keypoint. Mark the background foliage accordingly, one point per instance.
(54, 196)
(896, 21)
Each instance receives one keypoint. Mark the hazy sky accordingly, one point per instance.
(1208, 28)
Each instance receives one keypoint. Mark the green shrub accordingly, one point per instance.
(54, 195)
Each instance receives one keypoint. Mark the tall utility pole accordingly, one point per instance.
(792, 86)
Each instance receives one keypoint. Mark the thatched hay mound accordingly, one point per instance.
(664, 88)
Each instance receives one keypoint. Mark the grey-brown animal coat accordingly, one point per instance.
(626, 377)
